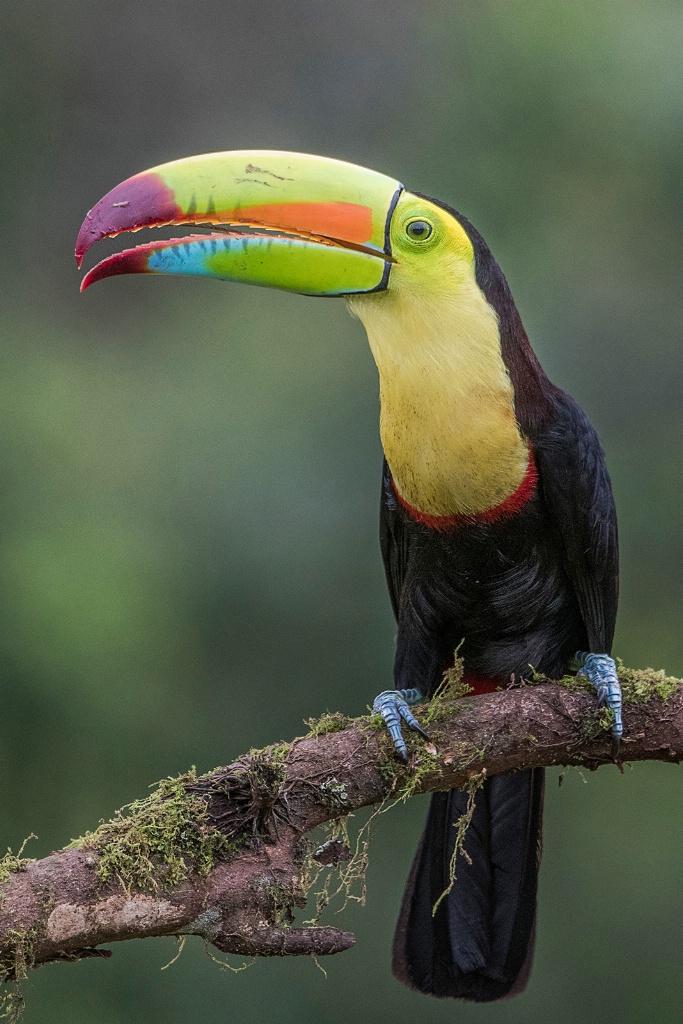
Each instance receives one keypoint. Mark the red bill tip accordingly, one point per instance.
(142, 201)
(131, 261)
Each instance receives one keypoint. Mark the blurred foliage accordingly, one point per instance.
(190, 472)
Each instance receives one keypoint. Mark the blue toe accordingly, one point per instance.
(394, 707)
(601, 671)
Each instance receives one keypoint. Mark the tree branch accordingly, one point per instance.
(226, 856)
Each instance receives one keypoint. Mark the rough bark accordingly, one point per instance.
(58, 908)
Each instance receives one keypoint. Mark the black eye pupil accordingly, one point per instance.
(419, 229)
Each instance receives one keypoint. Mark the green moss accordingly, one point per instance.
(283, 902)
(638, 686)
(452, 687)
(17, 957)
(331, 721)
(578, 683)
(464, 822)
(277, 753)
(13, 862)
(423, 764)
(158, 840)
(374, 723)
(16, 961)
(345, 880)
(595, 723)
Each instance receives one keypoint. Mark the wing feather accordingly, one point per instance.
(578, 494)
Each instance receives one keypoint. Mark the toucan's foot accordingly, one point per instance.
(394, 705)
(601, 671)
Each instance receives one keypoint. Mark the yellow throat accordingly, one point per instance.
(447, 419)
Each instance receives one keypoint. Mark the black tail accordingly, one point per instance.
(479, 945)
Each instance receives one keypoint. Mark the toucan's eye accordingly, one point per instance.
(419, 230)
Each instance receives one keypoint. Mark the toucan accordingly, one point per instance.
(497, 524)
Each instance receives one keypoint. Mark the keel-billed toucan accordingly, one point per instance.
(497, 525)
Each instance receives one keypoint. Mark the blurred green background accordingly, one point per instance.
(190, 471)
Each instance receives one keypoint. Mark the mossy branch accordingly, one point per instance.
(228, 856)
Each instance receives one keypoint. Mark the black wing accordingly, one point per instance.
(393, 539)
(576, 489)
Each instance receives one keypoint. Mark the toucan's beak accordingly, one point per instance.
(302, 223)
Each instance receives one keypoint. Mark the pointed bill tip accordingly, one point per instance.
(132, 261)
(139, 202)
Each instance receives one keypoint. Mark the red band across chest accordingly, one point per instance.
(480, 684)
(515, 503)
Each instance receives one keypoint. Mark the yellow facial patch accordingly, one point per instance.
(447, 418)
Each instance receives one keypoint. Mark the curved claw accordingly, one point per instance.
(393, 706)
(601, 671)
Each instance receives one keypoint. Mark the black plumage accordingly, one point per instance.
(530, 587)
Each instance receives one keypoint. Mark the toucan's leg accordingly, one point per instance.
(394, 705)
(601, 671)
